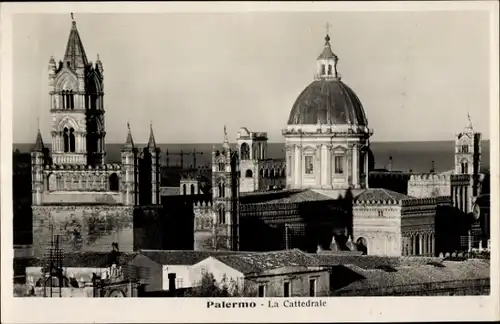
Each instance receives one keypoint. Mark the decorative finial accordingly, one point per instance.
(72, 17)
(38, 123)
(225, 131)
(327, 37)
(128, 126)
(98, 56)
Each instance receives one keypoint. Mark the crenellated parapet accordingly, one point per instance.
(430, 184)
(429, 201)
(430, 177)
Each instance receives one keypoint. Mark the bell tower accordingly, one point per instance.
(76, 104)
(468, 151)
(225, 193)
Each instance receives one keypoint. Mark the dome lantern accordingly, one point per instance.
(327, 61)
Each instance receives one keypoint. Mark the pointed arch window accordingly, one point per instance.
(221, 166)
(184, 191)
(71, 100)
(322, 71)
(329, 69)
(465, 148)
(465, 167)
(192, 189)
(66, 139)
(222, 215)
(113, 182)
(71, 139)
(63, 97)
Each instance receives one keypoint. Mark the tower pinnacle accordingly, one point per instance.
(151, 142)
(75, 53)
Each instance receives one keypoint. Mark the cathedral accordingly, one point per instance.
(324, 195)
(75, 194)
(327, 201)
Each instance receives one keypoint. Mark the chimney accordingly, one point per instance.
(171, 281)
(389, 164)
(432, 167)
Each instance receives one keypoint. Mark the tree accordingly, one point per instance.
(209, 287)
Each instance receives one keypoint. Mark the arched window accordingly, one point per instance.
(261, 172)
(66, 139)
(221, 166)
(329, 69)
(184, 189)
(266, 173)
(113, 182)
(222, 216)
(71, 100)
(465, 167)
(272, 173)
(63, 97)
(245, 151)
(322, 72)
(71, 140)
(223, 190)
(192, 189)
(248, 174)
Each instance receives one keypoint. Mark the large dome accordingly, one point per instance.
(327, 102)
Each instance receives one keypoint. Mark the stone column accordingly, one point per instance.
(433, 243)
(420, 244)
(324, 165)
(318, 165)
(414, 244)
(298, 166)
(366, 169)
(355, 165)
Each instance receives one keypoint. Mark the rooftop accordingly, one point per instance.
(180, 257)
(259, 262)
(380, 194)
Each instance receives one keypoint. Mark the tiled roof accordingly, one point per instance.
(372, 262)
(414, 275)
(298, 197)
(380, 195)
(179, 257)
(263, 261)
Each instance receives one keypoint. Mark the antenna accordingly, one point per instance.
(72, 18)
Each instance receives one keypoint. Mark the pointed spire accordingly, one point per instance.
(469, 128)
(129, 144)
(151, 142)
(327, 51)
(75, 53)
(226, 139)
(39, 147)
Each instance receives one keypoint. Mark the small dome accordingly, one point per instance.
(327, 102)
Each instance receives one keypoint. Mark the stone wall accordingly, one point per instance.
(429, 185)
(82, 228)
(299, 279)
(378, 228)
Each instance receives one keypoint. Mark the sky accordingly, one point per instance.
(417, 74)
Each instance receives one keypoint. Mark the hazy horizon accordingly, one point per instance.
(417, 74)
